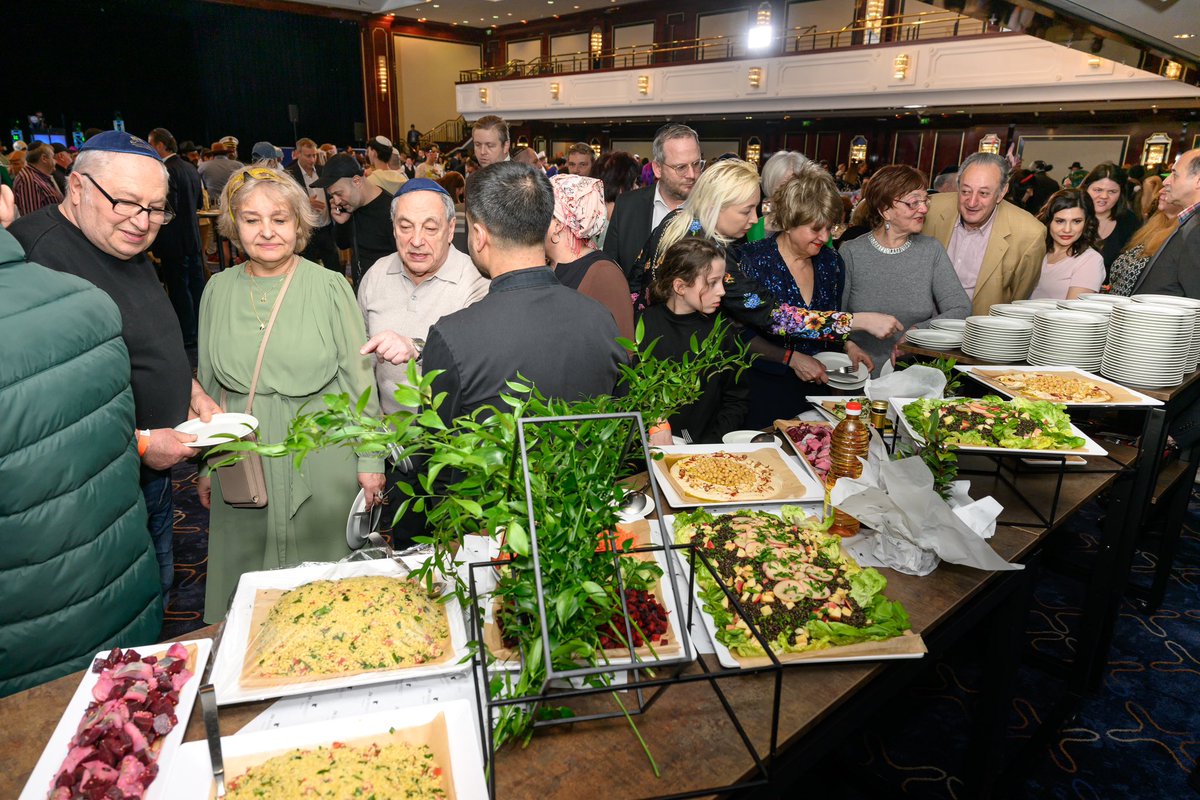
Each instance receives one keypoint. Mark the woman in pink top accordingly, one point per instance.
(1072, 266)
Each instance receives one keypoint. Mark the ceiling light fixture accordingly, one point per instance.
(760, 35)
(1185, 36)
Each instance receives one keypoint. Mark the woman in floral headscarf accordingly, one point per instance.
(580, 215)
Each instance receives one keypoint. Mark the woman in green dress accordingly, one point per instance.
(313, 350)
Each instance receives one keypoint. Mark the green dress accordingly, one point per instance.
(313, 351)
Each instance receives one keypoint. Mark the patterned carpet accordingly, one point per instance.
(1138, 738)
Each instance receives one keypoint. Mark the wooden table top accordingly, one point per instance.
(689, 734)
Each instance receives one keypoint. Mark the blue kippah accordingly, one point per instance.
(420, 185)
(120, 142)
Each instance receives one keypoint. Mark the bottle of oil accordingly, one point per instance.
(850, 440)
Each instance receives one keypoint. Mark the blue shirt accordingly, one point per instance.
(762, 262)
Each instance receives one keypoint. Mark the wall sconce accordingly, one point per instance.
(755, 77)
(483, 95)
(900, 67)
(381, 72)
(596, 41)
(643, 84)
(1094, 62)
(1172, 70)
(554, 87)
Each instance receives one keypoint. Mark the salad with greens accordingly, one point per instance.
(1016, 424)
(792, 581)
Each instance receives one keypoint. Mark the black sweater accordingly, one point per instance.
(723, 405)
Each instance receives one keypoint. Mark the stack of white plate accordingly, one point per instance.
(1014, 310)
(1002, 340)
(935, 338)
(1087, 306)
(1111, 299)
(1041, 301)
(957, 325)
(1177, 302)
(1149, 344)
(1068, 339)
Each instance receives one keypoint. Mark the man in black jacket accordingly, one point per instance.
(178, 242)
(322, 247)
(676, 164)
(529, 324)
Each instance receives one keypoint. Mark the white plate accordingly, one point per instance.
(1147, 309)
(1111, 299)
(645, 512)
(1041, 301)
(191, 777)
(1000, 323)
(739, 437)
(1075, 372)
(1090, 447)
(935, 337)
(227, 669)
(949, 324)
(839, 360)
(814, 492)
(220, 430)
(38, 785)
(1013, 310)
(1166, 300)
(1087, 307)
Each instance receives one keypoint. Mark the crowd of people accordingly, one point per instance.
(481, 264)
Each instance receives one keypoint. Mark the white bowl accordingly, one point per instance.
(739, 437)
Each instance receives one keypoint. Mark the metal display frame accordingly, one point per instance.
(640, 681)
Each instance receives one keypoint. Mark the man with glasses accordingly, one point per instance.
(677, 164)
(178, 244)
(116, 202)
(996, 247)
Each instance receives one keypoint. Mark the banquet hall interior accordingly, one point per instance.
(1073, 671)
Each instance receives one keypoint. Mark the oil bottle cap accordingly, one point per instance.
(853, 408)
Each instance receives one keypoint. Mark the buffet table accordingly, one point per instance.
(687, 730)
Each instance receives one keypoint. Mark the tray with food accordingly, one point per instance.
(993, 425)
(1068, 386)
(798, 588)
(648, 596)
(329, 626)
(427, 751)
(123, 725)
(811, 442)
(716, 475)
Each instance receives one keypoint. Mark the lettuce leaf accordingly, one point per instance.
(865, 584)
(888, 619)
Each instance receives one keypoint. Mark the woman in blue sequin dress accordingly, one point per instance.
(798, 267)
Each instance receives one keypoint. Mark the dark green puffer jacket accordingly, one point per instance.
(77, 568)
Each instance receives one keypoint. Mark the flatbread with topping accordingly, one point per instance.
(725, 477)
(1054, 386)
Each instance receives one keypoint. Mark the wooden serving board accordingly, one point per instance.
(790, 487)
(265, 600)
(432, 734)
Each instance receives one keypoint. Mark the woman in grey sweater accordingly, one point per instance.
(894, 269)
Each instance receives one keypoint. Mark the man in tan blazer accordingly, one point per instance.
(996, 247)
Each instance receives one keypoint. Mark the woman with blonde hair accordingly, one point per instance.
(1151, 188)
(722, 207)
(313, 349)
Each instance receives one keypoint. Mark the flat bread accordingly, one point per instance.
(1054, 386)
(725, 477)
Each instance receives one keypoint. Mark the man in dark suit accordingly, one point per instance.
(322, 248)
(1175, 269)
(677, 164)
(178, 244)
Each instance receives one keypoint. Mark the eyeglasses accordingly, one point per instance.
(913, 205)
(684, 169)
(130, 209)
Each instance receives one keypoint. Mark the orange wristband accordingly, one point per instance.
(665, 426)
(143, 442)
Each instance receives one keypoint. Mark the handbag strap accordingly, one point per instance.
(262, 348)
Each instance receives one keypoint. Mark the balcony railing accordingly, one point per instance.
(900, 28)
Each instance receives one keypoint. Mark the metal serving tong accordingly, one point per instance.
(212, 723)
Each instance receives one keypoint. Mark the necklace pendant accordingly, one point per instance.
(262, 326)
